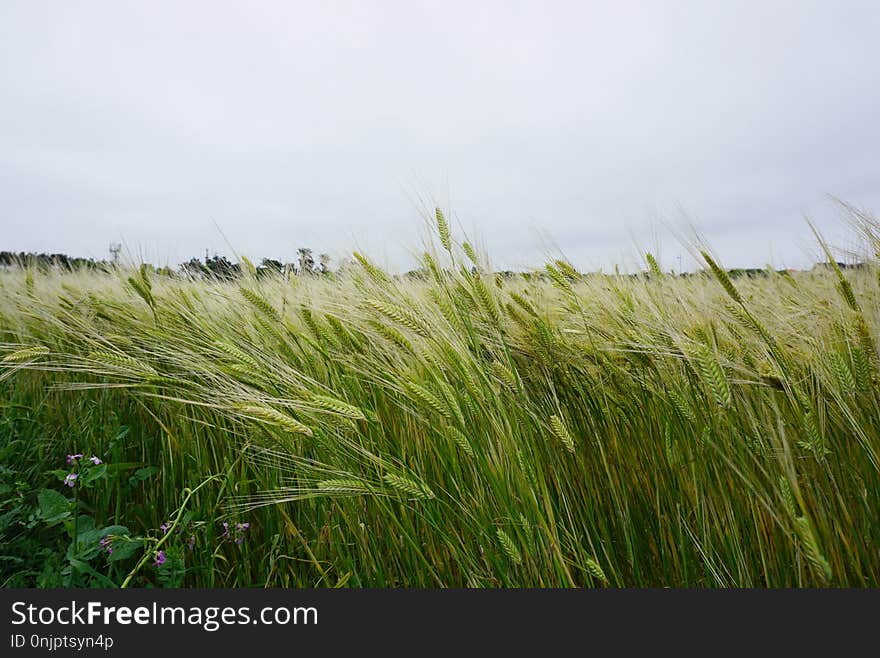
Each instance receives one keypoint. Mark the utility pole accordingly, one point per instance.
(115, 248)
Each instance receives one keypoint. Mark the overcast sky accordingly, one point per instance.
(586, 125)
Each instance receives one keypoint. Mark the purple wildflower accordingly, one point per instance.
(95, 460)
(225, 530)
(106, 544)
(191, 542)
(164, 527)
(70, 479)
(240, 529)
(72, 458)
(160, 558)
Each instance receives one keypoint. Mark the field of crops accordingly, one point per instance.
(457, 429)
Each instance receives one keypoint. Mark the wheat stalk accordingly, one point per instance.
(443, 230)
(562, 433)
(408, 486)
(508, 546)
(272, 416)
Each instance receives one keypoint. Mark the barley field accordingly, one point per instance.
(458, 428)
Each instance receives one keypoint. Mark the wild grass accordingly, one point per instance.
(466, 429)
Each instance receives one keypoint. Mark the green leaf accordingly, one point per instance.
(143, 474)
(88, 544)
(84, 523)
(93, 474)
(98, 579)
(53, 506)
(113, 469)
(125, 547)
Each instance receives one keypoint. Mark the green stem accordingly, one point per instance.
(76, 515)
(187, 494)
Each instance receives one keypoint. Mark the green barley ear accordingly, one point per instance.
(487, 302)
(529, 533)
(470, 253)
(866, 341)
(558, 278)
(519, 317)
(272, 416)
(461, 441)
(568, 270)
(508, 546)
(713, 375)
(524, 304)
(846, 291)
(682, 407)
(248, 266)
(843, 374)
(372, 271)
(503, 373)
(260, 303)
(861, 369)
(401, 315)
(668, 446)
(810, 546)
(653, 265)
(145, 275)
(525, 467)
(443, 230)
(432, 267)
(595, 570)
(308, 319)
(723, 278)
(427, 398)
(814, 442)
(393, 335)
(408, 486)
(345, 409)
(343, 335)
(562, 433)
(25, 354)
(123, 362)
(141, 286)
(787, 496)
(236, 353)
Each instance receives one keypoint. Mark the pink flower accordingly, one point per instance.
(70, 479)
(160, 558)
(72, 458)
(95, 460)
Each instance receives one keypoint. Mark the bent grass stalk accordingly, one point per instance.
(148, 555)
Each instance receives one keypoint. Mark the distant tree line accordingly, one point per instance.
(63, 261)
(222, 269)
(212, 267)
